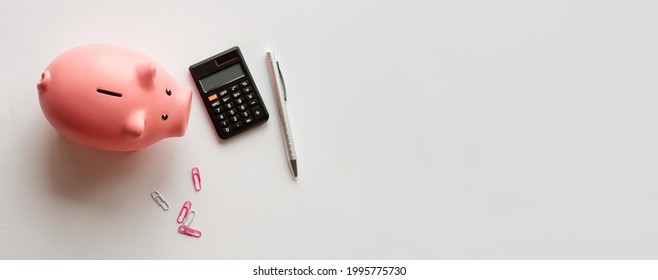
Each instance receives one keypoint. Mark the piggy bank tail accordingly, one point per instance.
(43, 83)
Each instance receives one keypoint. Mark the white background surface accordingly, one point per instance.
(424, 129)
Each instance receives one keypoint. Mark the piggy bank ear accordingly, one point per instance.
(146, 73)
(134, 124)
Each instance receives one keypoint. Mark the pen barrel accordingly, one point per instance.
(287, 135)
(277, 87)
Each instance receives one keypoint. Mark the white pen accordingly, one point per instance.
(279, 88)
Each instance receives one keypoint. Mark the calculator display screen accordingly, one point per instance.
(222, 77)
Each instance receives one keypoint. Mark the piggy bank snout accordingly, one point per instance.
(181, 116)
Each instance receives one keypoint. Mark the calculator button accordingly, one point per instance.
(234, 88)
(212, 97)
(236, 94)
(227, 129)
(226, 99)
(257, 112)
(231, 112)
(229, 105)
(244, 83)
(244, 114)
(249, 96)
(218, 110)
(247, 121)
(234, 119)
(221, 117)
(215, 104)
(246, 90)
(239, 101)
(223, 123)
(242, 107)
(238, 125)
(253, 102)
(223, 93)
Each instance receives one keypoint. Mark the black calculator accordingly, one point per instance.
(229, 93)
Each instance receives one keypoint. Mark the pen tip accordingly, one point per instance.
(293, 165)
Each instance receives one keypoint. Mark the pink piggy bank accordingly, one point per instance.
(113, 98)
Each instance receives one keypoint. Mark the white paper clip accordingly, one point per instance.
(160, 200)
(189, 219)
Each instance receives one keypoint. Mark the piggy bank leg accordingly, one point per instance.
(134, 124)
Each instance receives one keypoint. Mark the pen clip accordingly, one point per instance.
(283, 83)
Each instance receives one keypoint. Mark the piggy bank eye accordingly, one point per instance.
(165, 117)
(168, 91)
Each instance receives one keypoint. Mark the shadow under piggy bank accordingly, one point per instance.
(85, 174)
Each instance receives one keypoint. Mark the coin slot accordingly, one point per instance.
(107, 92)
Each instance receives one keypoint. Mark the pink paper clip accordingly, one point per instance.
(189, 231)
(184, 211)
(196, 178)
